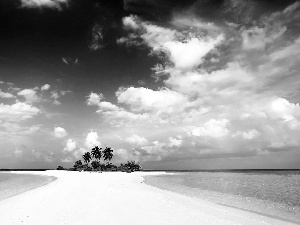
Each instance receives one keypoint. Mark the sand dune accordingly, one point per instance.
(115, 199)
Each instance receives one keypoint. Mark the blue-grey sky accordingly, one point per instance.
(172, 84)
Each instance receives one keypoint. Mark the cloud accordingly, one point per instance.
(67, 159)
(173, 142)
(135, 139)
(97, 38)
(144, 99)
(17, 112)
(92, 140)
(45, 87)
(78, 153)
(30, 95)
(185, 51)
(70, 145)
(269, 28)
(55, 4)
(55, 96)
(130, 22)
(94, 99)
(60, 132)
(189, 54)
(43, 156)
(212, 128)
(251, 134)
(226, 90)
(6, 95)
(257, 38)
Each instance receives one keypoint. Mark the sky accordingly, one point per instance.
(207, 84)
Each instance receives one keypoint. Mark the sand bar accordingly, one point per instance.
(116, 199)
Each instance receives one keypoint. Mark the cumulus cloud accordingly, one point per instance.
(60, 132)
(70, 145)
(94, 98)
(17, 112)
(185, 51)
(220, 96)
(135, 139)
(30, 95)
(212, 128)
(55, 96)
(78, 153)
(6, 95)
(144, 99)
(45, 87)
(55, 4)
(92, 140)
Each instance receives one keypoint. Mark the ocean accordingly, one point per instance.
(13, 184)
(274, 193)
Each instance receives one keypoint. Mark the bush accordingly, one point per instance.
(60, 168)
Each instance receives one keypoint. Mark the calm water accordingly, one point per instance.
(275, 193)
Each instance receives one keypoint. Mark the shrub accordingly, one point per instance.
(60, 168)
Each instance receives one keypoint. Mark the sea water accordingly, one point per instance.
(274, 193)
(13, 184)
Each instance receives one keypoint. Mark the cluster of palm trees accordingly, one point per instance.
(94, 157)
(97, 153)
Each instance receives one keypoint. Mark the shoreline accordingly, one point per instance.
(246, 203)
(18, 183)
(116, 198)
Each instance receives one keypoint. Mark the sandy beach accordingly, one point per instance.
(115, 198)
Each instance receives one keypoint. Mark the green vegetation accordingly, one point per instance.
(92, 162)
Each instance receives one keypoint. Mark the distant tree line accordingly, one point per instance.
(92, 162)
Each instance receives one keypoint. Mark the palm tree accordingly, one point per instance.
(107, 154)
(87, 157)
(97, 153)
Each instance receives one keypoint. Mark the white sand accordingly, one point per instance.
(115, 198)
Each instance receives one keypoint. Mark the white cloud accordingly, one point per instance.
(17, 112)
(174, 142)
(6, 95)
(55, 95)
(135, 139)
(67, 159)
(45, 87)
(144, 99)
(60, 132)
(287, 52)
(189, 54)
(249, 135)
(213, 128)
(107, 106)
(78, 153)
(57, 4)
(243, 102)
(70, 145)
(185, 51)
(30, 95)
(94, 99)
(129, 22)
(92, 140)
